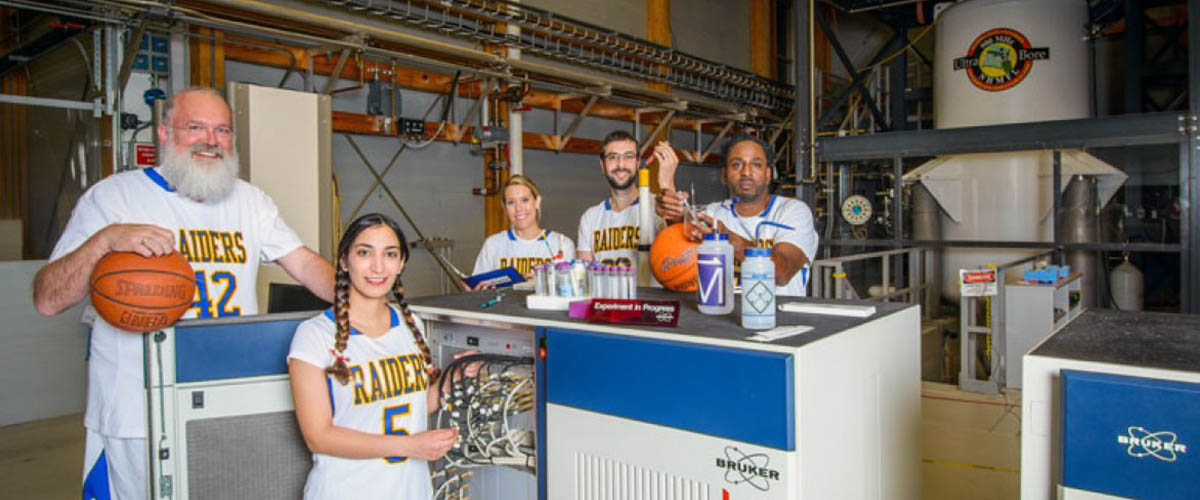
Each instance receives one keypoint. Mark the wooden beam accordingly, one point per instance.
(762, 43)
(254, 52)
(207, 58)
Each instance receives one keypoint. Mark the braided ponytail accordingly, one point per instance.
(341, 315)
(426, 354)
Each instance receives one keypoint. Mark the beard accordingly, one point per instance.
(203, 181)
(621, 186)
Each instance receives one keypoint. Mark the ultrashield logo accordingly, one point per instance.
(751, 469)
(1000, 59)
(1163, 445)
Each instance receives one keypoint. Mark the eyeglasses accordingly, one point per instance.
(616, 157)
(198, 130)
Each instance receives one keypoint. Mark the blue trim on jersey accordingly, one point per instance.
(329, 385)
(734, 201)
(236, 350)
(95, 485)
(609, 207)
(738, 394)
(513, 236)
(153, 174)
(394, 319)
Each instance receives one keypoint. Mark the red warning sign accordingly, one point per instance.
(145, 155)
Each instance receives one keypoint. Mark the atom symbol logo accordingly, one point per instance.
(1162, 445)
(742, 468)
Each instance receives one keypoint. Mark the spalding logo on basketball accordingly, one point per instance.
(673, 259)
(142, 294)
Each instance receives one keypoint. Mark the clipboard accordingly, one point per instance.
(500, 278)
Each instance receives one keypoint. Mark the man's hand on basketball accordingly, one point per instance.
(700, 227)
(432, 444)
(146, 240)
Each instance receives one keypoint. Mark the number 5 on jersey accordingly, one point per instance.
(220, 285)
(390, 416)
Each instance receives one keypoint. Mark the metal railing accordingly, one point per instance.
(990, 334)
(829, 279)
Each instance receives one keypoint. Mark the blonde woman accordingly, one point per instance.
(525, 244)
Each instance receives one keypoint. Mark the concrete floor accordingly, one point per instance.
(970, 443)
(42, 459)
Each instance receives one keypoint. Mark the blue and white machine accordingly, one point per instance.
(697, 412)
(1111, 409)
(700, 412)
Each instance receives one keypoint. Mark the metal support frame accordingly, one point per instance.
(566, 137)
(1135, 55)
(662, 124)
(1109, 131)
(898, 84)
(47, 102)
(829, 278)
(1056, 196)
(859, 77)
(426, 243)
(804, 135)
(1189, 177)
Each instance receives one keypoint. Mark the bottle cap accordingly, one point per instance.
(561, 266)
(712, 237)
(758, 252)
(723, 237)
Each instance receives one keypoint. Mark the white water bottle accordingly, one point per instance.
(714, 273)
(758, 289)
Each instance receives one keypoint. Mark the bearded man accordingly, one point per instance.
(609, 230)
(193, 203)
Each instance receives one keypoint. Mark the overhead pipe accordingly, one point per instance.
(477, 56)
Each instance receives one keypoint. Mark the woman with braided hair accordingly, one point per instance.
(363, 380)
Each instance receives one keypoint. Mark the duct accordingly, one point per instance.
(1003, 197)
(943, 176)
(1079, 226)
(927, 225)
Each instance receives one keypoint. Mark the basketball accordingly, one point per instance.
(673, 259)
(142, 294)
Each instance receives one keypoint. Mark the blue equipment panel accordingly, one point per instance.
(234, 350)
(1131, 436)
(738, 394)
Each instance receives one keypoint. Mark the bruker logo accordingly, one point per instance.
(751, 469)
(999, 59)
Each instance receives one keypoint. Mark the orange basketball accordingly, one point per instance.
(673, 259)
(142, 294)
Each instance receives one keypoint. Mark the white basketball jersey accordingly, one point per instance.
(223, 241)
(780, 210)
(385, 395)
(611, 236)
(506, 249)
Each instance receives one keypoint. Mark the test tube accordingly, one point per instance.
(563, 272)
(579, 277)
(631, 281)
(539, 279)
(551, 280)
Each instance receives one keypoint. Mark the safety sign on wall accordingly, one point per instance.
(977, 282)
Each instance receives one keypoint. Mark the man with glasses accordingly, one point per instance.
(608, 231)
(193, 203)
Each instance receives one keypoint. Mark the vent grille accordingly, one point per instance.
(599, 478)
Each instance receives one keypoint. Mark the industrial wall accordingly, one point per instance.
(434, 185)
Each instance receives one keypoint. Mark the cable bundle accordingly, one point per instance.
(482, 406)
